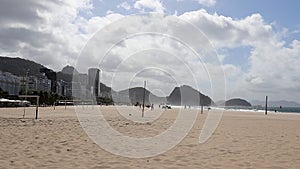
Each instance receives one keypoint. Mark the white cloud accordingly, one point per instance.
(227, 32)
(273, 63)
(155, 5)
(109, 12)
(207, 3)
(125, 6)
(40, 30)
(96, 23)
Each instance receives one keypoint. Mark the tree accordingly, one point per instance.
(105, 101)
(3, 94)
(53, 98)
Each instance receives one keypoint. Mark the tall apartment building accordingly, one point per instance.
(94, 81)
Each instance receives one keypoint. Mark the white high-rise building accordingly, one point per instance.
(94, 81)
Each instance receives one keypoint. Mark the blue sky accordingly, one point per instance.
(284, 13)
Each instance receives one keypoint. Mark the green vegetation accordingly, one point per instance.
(19, 67)
(3, 94)
(105, 101)
(45, 97)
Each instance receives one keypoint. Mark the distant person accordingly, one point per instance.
(152, 107)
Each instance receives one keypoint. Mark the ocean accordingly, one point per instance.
(252, 109)
(270, 109)
(273, 109)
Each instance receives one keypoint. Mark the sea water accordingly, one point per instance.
(248, 109)
(262, 109)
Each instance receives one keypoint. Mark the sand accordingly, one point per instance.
(57, 140)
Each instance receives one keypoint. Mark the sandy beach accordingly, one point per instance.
(57, 140)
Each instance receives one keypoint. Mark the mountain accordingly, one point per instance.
(106, 91)
(282, 103)
(186, 95)
(69, 70)
(134, 95)
(237, 102)
(66, 74)
(183, 95)
(19, 66)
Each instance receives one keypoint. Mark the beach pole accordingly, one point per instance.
(201, 109)
(37, 107)
(144, 99)
(266, 108)
(24, 109)
(25, 94)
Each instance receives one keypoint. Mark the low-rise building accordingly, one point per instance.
(9, 83)
(44, 84)
(33, 83)
(64, 88)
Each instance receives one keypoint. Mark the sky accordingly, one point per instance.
(225, 49)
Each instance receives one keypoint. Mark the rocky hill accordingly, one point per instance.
(237, 102)
(134, 95)
(186, 95)
(19, 66)
(69, 70)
